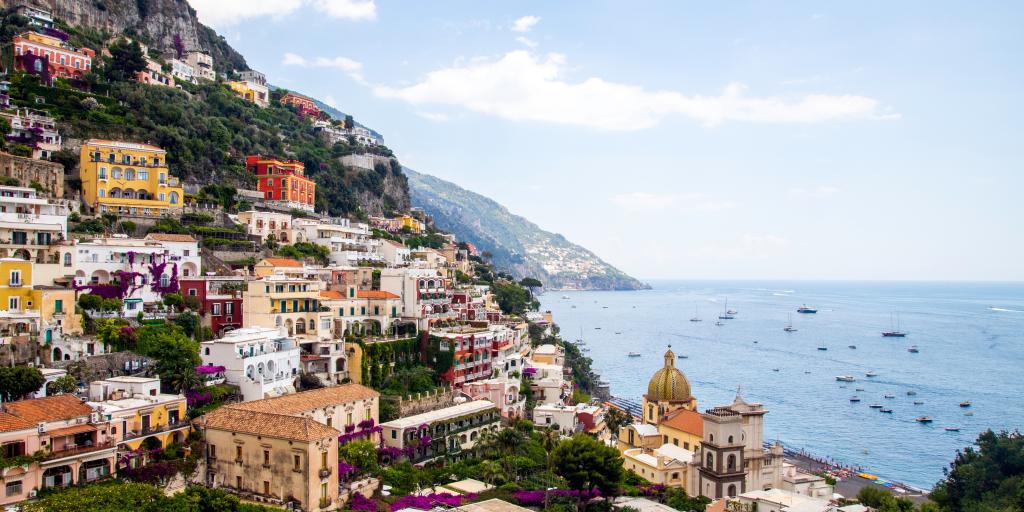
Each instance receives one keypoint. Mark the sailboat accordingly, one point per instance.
(789, 327)
(894, 333)
(726, 313)
(696, 317)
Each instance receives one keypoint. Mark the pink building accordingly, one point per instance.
(502, 392)
(59, 439)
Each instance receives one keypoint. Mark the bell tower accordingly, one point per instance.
(721, 459)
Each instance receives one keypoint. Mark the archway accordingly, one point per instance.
(22, 254)
(57, 354)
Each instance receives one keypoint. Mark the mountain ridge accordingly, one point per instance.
(514, 242)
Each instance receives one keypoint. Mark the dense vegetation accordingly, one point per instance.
(120, 496)
(985, 478)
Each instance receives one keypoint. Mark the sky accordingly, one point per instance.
(745, 140)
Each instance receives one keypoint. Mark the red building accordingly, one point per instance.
(221, 298)
(283, 181)
(305, 105)
(49, 56)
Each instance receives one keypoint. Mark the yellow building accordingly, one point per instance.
(668, 391)
(412, 224)
(277, 301)
(139, 414)
(250, 91)
(128, 178)
(34, 311)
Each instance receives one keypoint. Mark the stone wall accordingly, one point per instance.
(26, 170)
(422, 402)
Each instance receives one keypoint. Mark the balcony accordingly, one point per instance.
(324, 472)
(78, 450)
(134, 434)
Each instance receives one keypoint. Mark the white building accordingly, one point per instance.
(395, 254)
(145, 269)
(451, 430)
(424, 293)
(349, 242)
(127, 403)
(264, 224)
(779, 500)
(549, 384)
(31, 228)
(183, 71)
(261, 361)
(253, 76)
(35, 129)
(557, 415)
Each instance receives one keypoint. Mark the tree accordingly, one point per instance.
(587, 464)
(512, 298)
(491, 472)
(175, 353)
(309, 381)
(530, 283)
(615, 419)
(126, 59)
(189, 323)
(90, 302)
(18, 381)
(111, 305)
(173, 300)
(193, 303)
(986, 477)
(64, 384)
(361, 454)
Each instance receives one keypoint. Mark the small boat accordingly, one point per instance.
(604, 307)
(889, 396)
(968, 413)
(634, 354)
(727, 314)
(617, 332)
(755, 342)
(682, 356)
(923, 419)
(719, 323)
(918, 402)
(894, 332)
(871, 374)
(855, 399)
(853, 346)
(806, 310)
(860, 389)
(574, 306)
(807, 372)
(731, 312)
(566, 297)
(845, 378)
(911, 393)
(696, 317)
(598, 328)
(789, 327)
(775, 369)
(952, 429)
(822, 347)
(875, 406)
(913, 349)
(965, 403)
(887, 411)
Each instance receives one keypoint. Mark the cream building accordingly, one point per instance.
(261, 361)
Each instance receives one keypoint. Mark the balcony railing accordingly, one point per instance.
(134, 434)
(76, 450)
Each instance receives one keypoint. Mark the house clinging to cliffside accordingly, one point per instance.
(283, 182)
(128, 178)
(306, 106)
(49, 56)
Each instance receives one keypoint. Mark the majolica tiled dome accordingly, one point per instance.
(669, 384)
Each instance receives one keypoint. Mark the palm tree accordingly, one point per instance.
(186, 380)
(549, 439)
(615, 419)
(491, 471)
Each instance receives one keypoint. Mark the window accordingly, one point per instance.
(686, 445)
(266, 487)
(15, 278)
(14, 303)
(330, 421)
(367, 414)
(297, 461)
(162, 178)
(165, 281)
(144, 175)
(238, 453)
(266, 457)
(348, 418)
(213, 451)
(216, 309)
(323, 460)
(14, 488)
(58, 306)
(103, 173)
(67, 259)
(229, 308)
(238, 482)
(206, 351)
(394, 434)
(323, 491)
(162, 196)
(102, 193)
(192, 292)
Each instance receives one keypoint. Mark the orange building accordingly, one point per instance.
(283, 181)
(304, 104)
(50, 56)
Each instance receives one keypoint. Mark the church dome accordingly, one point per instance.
(669, 384)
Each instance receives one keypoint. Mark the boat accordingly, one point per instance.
(894, 333)
(890, 396)
(617, 332)
(918, 402)
(634, 354)
(789, 327)
(845, 378)
(913, 349)
(952, 429)
(855, 399)
(806, 310)
(965, 403)
(968, 413)
(823, 347)
(871, 374)
(727, 314)
(887, 411)
(598, 328)
(775, 369)
(923, 419)
(574, 306)
(696, 316)
(585, 349)
(719, 323)
(911, 393)
(807, 372)
(860, 389)
(566, 297)
(875, 406)
(852, 346)
(604, 307)
(682, 356)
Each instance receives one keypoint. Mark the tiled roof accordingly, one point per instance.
(283, 262)
(686, 420)
(51, 408)
(332, 294)
(375, 294)
(277, 426)
(10, 422)
(170, 237)
(297, 403)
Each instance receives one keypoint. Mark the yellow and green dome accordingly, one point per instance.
(669, 384)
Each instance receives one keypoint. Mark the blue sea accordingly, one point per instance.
(970, 337)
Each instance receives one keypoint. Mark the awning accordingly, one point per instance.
(72, 430)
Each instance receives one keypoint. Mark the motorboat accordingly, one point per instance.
(918, 402)
(968, 413)
(845, 378)
(853, 346)
(565, 297)
(889, 396)
(965, 403)
(682, 356)
(719, 323)
(875, 406)
(806, 310)
(860, 389)
(855, 399)
(822, 347)
(634, 354)
(952, 429)
(871, 374)
(913, 349)
(923, 419)
(775, 369)
(887, 411)
(911, 393)
(598, 328)
(731, 312)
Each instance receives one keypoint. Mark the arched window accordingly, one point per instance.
(730, 439)
(732, 491)
(67, 259)
(129, 174)
(712, 436)
(730, 463)
(39, 66)
(174, 198)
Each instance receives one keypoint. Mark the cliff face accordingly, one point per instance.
(157, 22)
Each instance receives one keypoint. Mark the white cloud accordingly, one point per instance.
(688, 203)
(352, 68)
(529, 43)
(525, 24)
(223, 13)
(521, 86)
(819, 192)
(436, 117)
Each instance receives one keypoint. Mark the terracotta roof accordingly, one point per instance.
(283, 262)
(297, 403)
(688, 421)
(332, 294)
(170, 237)
(51, 408)
(72, 430)
(375, 294)
(277, 426)
(10, 422)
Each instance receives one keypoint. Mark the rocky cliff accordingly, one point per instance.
(162, 24)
